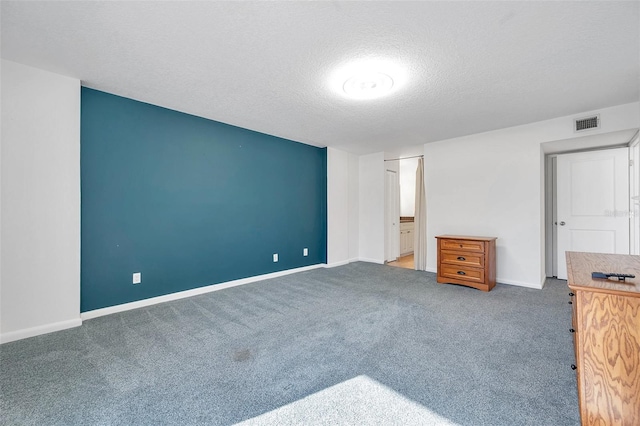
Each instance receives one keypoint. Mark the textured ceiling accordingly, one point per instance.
(460, 67)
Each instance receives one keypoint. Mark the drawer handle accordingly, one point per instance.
(461, 258)
(462, 273)
(571, 294)
(573, 366)
(570, 302)
(571, 330)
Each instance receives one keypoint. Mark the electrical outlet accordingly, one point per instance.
(305, 251)
(275, 257)
(137, 277)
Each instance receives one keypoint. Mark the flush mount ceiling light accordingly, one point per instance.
(368, 78)
(368, 85)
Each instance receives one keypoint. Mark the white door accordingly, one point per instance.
(593, 203)
(392, 217)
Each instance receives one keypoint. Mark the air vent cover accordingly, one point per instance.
(587, 123)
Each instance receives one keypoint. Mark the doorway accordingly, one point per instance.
(587, 204)
(405, 211)
(592, 203)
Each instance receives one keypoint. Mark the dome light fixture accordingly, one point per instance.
(368, 85)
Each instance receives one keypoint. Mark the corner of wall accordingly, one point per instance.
(39, 330)
(40, 210)
(371, 207)
(354, 205)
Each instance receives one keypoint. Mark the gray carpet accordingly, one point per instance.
(357, 344)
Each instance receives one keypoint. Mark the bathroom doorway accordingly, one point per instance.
(407, 189)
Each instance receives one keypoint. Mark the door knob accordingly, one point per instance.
(562, 223)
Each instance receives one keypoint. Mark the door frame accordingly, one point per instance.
(392, 224)
(634, 192)
(551, 235)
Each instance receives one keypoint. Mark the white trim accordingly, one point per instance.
(364, 259)
(429, 269)
(344, 262)
(193, 292)
(41, 329)
(520, 283)
(341, 263)
(550, 229)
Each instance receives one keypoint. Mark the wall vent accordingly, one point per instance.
(586, 123)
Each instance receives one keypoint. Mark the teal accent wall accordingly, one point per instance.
(189, 202)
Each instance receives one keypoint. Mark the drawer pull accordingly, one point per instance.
(573, 366)
(571, 330)
(570, 302)
(461, 258)
(462, 273)
(571, 294)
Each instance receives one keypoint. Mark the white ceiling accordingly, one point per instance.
(461, 67)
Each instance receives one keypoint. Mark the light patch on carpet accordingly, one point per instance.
(356, 401)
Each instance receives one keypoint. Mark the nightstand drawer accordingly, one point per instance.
(462, 258)
(462, 273)
(466, 245)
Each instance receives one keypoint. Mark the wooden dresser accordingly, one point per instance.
(469, 261)
(606, 330)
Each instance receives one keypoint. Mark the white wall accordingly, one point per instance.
(354, 206)
(408, 186)
(40, 218)
(337, 206)
(371, 207)
(492, 184)
(342, 207)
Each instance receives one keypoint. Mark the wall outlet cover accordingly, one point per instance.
(275, 257)
(137, 277)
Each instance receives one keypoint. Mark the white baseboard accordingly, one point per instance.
(41, 329)
(519, 283)
(365, 259)
(341, 263)
(193, 292)
(544, 281)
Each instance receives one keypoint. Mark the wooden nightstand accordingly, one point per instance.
(466, 260)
